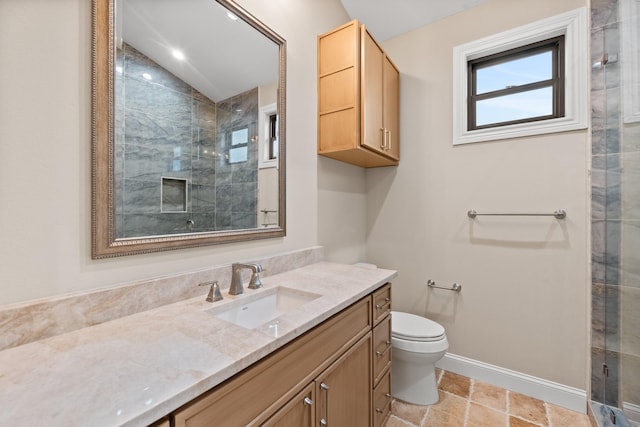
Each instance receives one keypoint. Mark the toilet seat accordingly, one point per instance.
(407, 326)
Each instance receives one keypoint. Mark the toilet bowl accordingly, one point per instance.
(417, 344)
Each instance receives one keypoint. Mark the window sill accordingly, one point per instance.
(562, 124)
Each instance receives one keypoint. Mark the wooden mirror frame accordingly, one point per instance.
(103, 220)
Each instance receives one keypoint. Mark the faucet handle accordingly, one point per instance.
(255, 282)
(214, 291)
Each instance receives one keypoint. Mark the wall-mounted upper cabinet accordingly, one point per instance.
(358, 99)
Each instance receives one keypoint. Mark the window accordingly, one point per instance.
(530, 80)
(268, 124)
(516, 86)
(238, 149)
(273, 136)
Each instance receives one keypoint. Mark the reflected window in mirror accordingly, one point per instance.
(273, 136)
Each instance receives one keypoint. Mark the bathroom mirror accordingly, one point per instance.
(188, 126)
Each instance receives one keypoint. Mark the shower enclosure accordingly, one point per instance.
(615, 102)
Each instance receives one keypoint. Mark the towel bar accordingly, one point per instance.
(456, 287)
(559, 214)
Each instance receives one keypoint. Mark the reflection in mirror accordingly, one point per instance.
(189, 145)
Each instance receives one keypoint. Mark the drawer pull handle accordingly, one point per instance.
(384, 407)
(382, 353)
(308, 401)
(387, 301)
(325, 387)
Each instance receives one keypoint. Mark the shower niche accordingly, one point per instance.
(174, 195)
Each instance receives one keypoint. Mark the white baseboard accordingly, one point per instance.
(631, 411)
(549, 391)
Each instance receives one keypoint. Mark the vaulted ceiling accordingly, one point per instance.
(388, 18)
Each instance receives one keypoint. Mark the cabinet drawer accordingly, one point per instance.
(252, 395)
(381, 348)
(382, 400)
(381, 303)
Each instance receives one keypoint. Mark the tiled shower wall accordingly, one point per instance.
(166, 128)
(615, 339)
(237, 184)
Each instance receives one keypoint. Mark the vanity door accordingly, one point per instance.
(343, 390)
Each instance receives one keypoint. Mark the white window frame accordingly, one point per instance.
(631, 59)
(573, 25)
(265, 133)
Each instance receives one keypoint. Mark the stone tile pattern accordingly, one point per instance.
(237, 183)
(615, 210)
(166, 128)
(465, 402)
(36, 320)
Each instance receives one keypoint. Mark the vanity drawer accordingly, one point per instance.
(381, 303)
(382, 400)
(381, 348)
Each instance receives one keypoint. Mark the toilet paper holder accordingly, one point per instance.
(456, 287)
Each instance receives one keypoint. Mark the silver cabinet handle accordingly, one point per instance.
(387, 301)
(382, 353)
(379, 410)
(389, 144)
(383, 143)
(324, 421)
(308, 401)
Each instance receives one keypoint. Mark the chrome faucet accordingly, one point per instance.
(236, 287)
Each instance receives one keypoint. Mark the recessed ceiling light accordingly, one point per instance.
(178, 54)
(146, 76)
(119, 69)
(232, 16)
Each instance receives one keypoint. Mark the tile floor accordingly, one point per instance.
(465, 402)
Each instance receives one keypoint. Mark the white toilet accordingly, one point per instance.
(417, 344)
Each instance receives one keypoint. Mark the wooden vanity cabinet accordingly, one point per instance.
(326, 376)
(358, 99)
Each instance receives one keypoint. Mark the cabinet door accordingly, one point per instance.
(372, 94)
(298, 412)
(391, 111)
(343, 391)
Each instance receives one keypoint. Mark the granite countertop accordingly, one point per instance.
(134, 370)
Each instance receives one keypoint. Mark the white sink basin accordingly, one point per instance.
(251, 312)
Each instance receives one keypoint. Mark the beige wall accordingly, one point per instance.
(524, 300)
(525, 285)
(342, 210)
(45, 63)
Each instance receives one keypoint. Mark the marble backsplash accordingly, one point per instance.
(35, 320)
